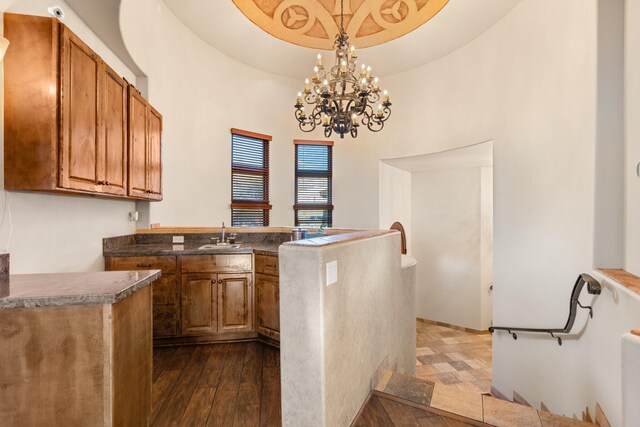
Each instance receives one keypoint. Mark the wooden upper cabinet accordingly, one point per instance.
(80, 155)
(155, 154)
(69, 123)
(138, 157)
(145, 150)
(112, 141)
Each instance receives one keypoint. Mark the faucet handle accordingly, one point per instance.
(215, 240)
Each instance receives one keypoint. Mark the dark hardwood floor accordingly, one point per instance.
(383, 412)
(229, 385)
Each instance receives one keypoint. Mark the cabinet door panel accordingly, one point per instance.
(235, 311)
(137, 145)
(114, 133)
(199, 304)
(155, 154)
(268, 306)
(80, 151)
(165, 321)
(165, 290)
(267, 264)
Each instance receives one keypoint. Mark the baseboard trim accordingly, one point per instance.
(448, 325)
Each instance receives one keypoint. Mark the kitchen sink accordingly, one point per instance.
(221, 246)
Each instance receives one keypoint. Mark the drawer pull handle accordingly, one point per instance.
(272, 266)
(144, 265)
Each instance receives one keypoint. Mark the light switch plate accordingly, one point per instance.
(178, 239)
(332, 272)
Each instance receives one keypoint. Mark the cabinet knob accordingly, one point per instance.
(220, 282)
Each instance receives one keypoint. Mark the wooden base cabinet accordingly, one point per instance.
(198, 297)
(166, 294)
(268, 296)
(82, 365)
(216, 303)
(235, 307)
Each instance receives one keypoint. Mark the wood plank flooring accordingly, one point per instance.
(231, 385)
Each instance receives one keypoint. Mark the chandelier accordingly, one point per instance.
(341, 98)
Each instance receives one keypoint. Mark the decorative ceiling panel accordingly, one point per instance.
(315, 23)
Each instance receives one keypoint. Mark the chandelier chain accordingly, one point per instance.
(342, 16)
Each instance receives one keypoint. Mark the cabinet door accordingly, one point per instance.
(113, 133)
(138, 157)
(235, 303)
(79, 152)
(268, 306)
(199, 304)
(155, 154)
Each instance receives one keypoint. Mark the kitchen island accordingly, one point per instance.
(76, 349)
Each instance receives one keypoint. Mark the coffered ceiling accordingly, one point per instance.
(262, 44)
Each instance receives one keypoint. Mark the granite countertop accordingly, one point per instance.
(63, 289)
(159, 249)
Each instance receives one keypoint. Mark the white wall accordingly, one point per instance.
(486, 245)
(632, 134)
(60, 233)
(447, 232)
(530, 84)
(395, 199)
(202, 94)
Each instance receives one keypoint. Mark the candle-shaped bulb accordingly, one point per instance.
(363, 67)
(319, 56)
(306, 81)
(319, 60)
(354, 119)
(376, 80)
(316, 69)
(299, 94)
(325, 82)
(385, 96)
(343, 63)
(385, 92)
(363, 81)
(353, 48)
(368, 68)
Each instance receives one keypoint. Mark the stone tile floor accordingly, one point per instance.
(456, 357)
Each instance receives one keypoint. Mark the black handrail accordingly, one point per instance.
(593, 287)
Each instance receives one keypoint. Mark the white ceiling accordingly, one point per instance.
(225, 28)
(472, 156)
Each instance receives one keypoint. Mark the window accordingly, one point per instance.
(313, 206)
(249, 179)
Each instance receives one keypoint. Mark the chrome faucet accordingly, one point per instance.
(222, 241)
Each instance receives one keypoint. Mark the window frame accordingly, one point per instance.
(263, 205)
(297, 207)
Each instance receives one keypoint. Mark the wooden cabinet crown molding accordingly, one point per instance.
(67, 117)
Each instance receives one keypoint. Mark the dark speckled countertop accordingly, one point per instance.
(160, 244)
(63, 289)
(159, 249)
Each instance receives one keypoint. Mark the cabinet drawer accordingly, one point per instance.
(267, 264)
(165, 263)
(216, 263)
(165, 321)
(165, 290)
